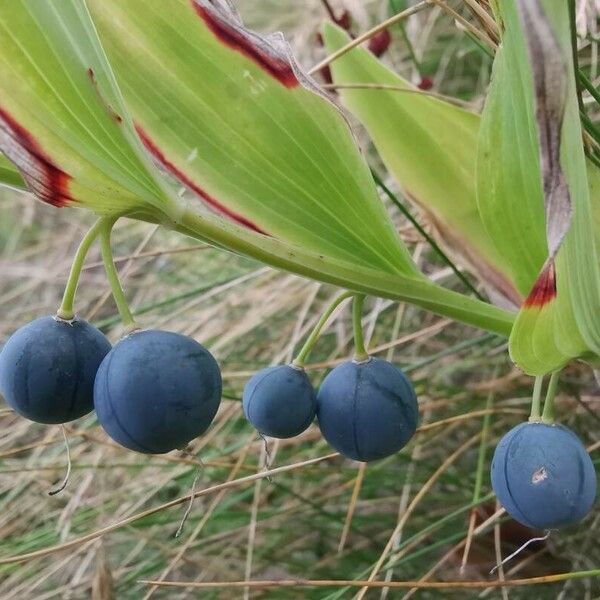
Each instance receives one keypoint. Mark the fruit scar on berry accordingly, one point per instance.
(251, 46)
(160, 157)
(47, 181)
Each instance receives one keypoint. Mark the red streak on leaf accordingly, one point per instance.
(48, 182)
(276, 66)
(158, 154)
(544, 289)
(111, 111)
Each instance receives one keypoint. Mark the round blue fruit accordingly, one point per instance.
(47, 369)
(543, 476)
(367, 410)
(280, 401)
(156, 391)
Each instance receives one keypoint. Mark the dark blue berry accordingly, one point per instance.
(47, 369)
(367, 410)
(280, 401)
(156, 391)
(543, 476)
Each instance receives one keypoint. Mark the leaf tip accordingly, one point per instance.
(43, 177)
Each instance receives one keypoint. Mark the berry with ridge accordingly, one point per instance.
(367, 410)
(543, 476)
(280, 401)
(48, 367)
(156, 391)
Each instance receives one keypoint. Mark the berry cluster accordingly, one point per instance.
(366, 409)
(154, 392)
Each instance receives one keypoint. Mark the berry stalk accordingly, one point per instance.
(113, 276)
(66, 311)
(360, 353)
(548, 414)
(536, 399)
(316, 332)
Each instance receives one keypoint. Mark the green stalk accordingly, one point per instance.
(411, 288)
(485, 429)
(113, 276)
(300, 360)
(535, 400)
(66, 310)
(360, 353)
(548, 414)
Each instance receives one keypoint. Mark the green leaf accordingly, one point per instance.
(430, 147)
(62, 120)
(72, 136)
(231, 117)
(509, 189)
(558, 320)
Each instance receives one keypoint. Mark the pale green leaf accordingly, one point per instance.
(65, 120)
(62, 121)
(430, 147)
(559, 320)
(256, 146)
(509, 192)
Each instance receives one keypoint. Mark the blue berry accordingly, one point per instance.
(280, 401)
(47, 369)
(156, 391)
(543, 476)
(367, 410)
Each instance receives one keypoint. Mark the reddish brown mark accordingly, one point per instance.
(544, 289)
(425, 84)
(380, 42)
(111, 111)
(344, 20)
(158, 154)
(277, 67)
(44, 178)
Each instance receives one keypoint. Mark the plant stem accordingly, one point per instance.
(356, 277)
(300, 360)
(360, 353)
(66, 311)
(535, 400)
(548, 414)
(113, 276)
(329, 10)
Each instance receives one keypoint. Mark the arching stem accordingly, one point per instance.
(113, 276)
(548, 414)
(535, 400)
(360, 353)
(300, 360)
(66, 310)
